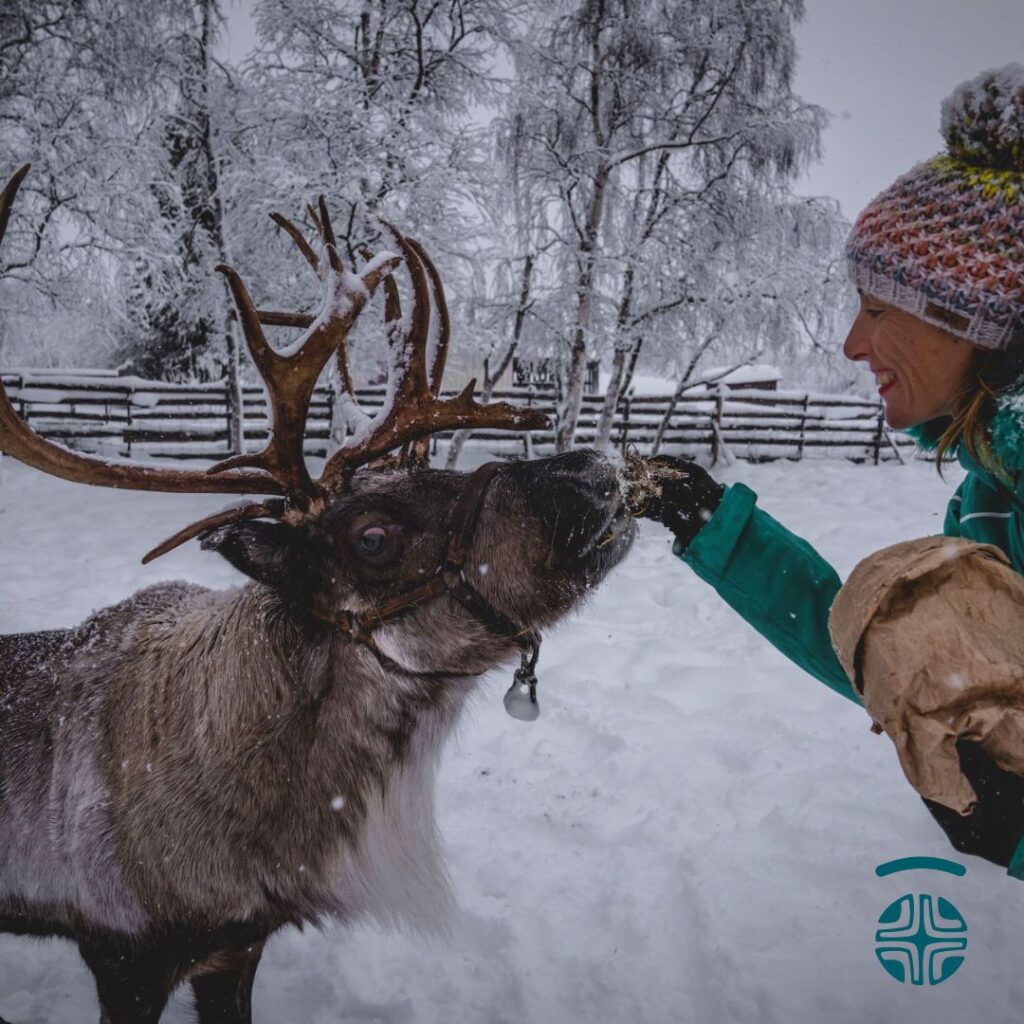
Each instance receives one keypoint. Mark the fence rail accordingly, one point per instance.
(131, 417)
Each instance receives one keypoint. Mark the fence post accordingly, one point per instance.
(803, 428)
(879, 432)
(227, 413)
(528, 435)
(716, 423)
(126, 434)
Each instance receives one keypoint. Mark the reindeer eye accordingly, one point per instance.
(372, 540)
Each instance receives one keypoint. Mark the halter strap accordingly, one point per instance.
(450, 578)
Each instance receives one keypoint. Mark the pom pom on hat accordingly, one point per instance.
(945, 242)
(983, 119)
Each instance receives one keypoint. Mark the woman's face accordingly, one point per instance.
(918, 368)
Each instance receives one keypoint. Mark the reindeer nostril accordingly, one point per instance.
(575, 495)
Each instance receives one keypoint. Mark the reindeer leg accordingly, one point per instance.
(223, 990)
(133, 982)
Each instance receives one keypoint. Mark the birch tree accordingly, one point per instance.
(637, 109)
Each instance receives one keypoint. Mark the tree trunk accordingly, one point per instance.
(569, 413)
(612, 397)
(685, 381)
(673, 402)
(622, 375)
(338, 429)
(236, 402)
(613, 394)
(569, 409)
(627, 381)
(236, 439)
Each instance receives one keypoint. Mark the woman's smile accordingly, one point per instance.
(919, 369)
(885, 380)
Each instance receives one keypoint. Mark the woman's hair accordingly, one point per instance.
(991, 374)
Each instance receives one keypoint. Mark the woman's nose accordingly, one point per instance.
(858, 341)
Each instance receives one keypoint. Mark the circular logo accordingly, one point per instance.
(921, 939)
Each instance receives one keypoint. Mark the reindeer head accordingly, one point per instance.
(438, 571)
(531, 539)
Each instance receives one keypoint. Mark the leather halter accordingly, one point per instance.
(449, 578)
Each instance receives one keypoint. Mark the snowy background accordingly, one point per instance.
(689, 832)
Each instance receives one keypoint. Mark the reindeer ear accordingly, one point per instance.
(278, 555)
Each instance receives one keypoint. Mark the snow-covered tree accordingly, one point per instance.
(179, 308)
(595, 178)
(767, 280)
(645, 120)
(369, 104)
(500, 306)
(72, 77)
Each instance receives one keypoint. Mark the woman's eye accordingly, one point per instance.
(373, 539)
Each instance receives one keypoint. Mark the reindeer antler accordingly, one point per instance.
(291, 376)
(416, 410)
(413, 408)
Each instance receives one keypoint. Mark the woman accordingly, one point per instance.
(938, 260)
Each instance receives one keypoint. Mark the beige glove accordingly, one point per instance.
(931, 633)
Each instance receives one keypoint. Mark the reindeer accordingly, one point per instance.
(190, 770)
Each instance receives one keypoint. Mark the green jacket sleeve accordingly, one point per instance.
(775, 580)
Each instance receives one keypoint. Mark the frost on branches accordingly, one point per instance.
(598, 179)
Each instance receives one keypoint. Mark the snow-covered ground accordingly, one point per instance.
(688, 833)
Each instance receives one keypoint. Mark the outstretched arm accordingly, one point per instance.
(785, 589)
(772, 578)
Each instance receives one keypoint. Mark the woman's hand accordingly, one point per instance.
(685, 497)
(995, 826)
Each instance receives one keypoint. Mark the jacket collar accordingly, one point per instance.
(1006, 429)
(1008, 432)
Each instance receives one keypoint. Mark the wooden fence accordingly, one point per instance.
(131, 417)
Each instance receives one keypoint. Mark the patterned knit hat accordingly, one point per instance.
(945, 242)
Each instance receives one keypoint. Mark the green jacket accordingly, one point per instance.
(784, 588)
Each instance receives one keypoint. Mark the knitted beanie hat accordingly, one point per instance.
(945, 242)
